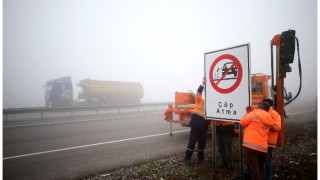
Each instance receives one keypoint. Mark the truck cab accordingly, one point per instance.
(260, 88)
(59, 92)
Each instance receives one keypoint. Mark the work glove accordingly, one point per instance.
(204, 81)
(249, 109)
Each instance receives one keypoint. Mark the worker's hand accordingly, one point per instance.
(271, 128)
(204, 80)
(249, 109)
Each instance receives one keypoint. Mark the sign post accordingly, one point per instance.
(228, 87)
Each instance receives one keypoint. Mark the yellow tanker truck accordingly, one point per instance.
(98, 92)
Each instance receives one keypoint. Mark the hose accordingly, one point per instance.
(300, 74)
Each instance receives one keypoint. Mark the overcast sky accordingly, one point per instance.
(159, 43)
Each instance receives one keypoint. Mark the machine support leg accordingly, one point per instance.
(171, 129)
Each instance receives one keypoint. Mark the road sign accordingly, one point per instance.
(231, 67)
(227, 91)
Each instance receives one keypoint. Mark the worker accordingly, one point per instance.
(255, 141)
(272, 138)
(199, 127)
(225, 131)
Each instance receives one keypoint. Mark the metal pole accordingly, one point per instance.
(171, 134)
(241, 151)
(213, 127)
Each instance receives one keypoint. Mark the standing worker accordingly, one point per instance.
(255, 140)
(272, 138)
(199, 127)
(225, 130)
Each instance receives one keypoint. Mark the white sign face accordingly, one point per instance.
(227, 90)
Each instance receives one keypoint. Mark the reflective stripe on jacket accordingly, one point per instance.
(273, 133)
(257, 124)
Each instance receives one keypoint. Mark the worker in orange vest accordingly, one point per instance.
(272, 138)
(199, 127)
(255, 141)
(225, 130)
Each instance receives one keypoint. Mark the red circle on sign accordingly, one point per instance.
(238, 80)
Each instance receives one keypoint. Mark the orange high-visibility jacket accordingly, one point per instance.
(224, 123)
(199, 103)
(273, 133)
(257, 124)
(198, 120)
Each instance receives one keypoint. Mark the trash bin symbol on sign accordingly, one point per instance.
(225, 73)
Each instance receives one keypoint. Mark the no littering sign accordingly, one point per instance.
(230, 66)
(227, 91)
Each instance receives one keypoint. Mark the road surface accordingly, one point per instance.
(65, 148)
(70, 149)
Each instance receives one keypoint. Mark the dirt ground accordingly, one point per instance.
(296, 160)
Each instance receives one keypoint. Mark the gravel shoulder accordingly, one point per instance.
(296, 160)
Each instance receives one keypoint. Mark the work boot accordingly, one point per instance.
(223, 165)
(200, 155)
(188, 162)
(188, 154)
(230, 165)
(247, 174)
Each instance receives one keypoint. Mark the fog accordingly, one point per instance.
(160, 44)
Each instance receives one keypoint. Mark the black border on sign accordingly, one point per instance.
(249, 81)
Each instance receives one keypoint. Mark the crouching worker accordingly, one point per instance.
(272, 137)
(255, 140)
(199, 127)
(225, 131)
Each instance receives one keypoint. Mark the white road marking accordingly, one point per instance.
(90, 145)
(77, 121)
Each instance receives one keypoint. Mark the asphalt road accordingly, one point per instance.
(65, 148)
(75, 148)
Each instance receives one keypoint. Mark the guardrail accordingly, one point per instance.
(7, 112)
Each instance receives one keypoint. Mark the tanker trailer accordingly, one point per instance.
(98, 92)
